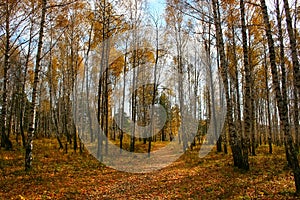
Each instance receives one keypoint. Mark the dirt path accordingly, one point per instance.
(80, 176)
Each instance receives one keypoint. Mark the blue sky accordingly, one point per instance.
(156, 6)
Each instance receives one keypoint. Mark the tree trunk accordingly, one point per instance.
(247, 93)
(123, 100)
(234, 137)
(5, 142)
(269, 124)
(212, 105)
(282, 59)
(31, 129)
(282, 105)
(293, 44)
(236, 84)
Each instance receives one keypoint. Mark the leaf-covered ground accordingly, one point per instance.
(57, 175)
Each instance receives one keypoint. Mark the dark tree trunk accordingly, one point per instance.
(268, 104)
(234, 137)
(293, 44)
(247, 93)
(5, 141)
(282, 105)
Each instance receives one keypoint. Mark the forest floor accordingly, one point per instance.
(56, 175)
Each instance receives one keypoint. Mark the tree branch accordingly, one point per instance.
(62, 4)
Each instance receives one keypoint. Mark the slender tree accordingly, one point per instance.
(235, 140)
(248, 80)
(282, 105)
(33, 105)
(293, 44)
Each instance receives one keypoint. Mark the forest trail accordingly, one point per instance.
(57, 175)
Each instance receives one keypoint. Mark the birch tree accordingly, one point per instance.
(291, 152)
(33, 104)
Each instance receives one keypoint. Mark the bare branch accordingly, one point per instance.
(61, 5)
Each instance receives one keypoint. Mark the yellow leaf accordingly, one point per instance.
(21, 197)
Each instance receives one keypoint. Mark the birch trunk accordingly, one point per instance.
(32, 112)
(282, 105)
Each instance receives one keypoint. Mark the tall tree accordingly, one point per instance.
(248, 81)
(13, 26)
(235, 140)
(293, 44)
(269, 124)
(175, 20)
(5, 142)
(292, 156)
(33, 104)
